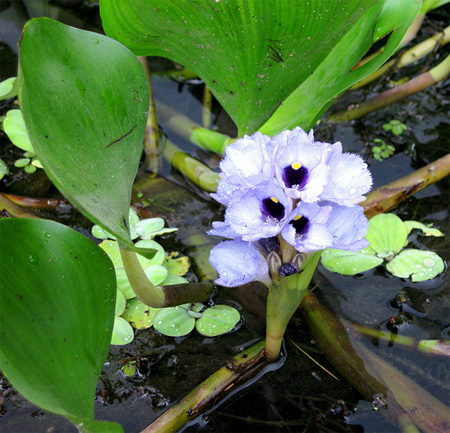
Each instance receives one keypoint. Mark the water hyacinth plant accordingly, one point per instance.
(287, 199)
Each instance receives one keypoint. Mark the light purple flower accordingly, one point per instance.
(348, 225)
(300, 164)
(307, 227)
(259, 212)
(348, 179)
(248, 162)
(238, 262)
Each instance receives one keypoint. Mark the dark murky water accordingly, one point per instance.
(300, 396)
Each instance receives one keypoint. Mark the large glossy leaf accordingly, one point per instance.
(57, 292)
(84, 99)
(251, 53)
(335, 74)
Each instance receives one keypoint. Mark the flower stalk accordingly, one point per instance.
(283, 300)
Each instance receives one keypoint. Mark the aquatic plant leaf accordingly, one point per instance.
(336, 72)
(4, 169)
(348, 262)
(174, 321)
(121, 303)
(58, 294)
(156, 274)
(151, 227)
(15, 129)
(253, 54)
(174, 279)
(84, 98)
(177, 265)
(141, 316)
(426, 230)
(217, 320)
(418, 264)
(122, 333)
(387, 234)
(8, 88)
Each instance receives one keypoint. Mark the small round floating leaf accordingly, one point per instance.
(123, 284)
(157, 259)
(141, 316)
(174, 321)
(174, 279)
(122, 333)
(156, 274)
(121, 303)
(418, 264)
(112, 249)
(14, 127)
(348, 262)
(4, 169)
(427, 230)
(387, 234)
(179, 265)
(217, 320)
(8, 88)
(147, 227)
(129, 369)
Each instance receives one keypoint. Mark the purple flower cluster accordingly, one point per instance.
(302, 192)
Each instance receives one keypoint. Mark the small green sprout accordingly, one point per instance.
(4, 169)
(383, 150)
(395, 126)
(388, 236)
(14, 127)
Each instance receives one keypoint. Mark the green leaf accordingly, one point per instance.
(348, 262)
(174, 321)
(217, 320)
(84, 99)
(417, 264)
(253, 54)
(141, 316)
(4, 169)
(387, 234)
(122, 333)
(58, 294)
(15, 129)
(427, 230)
(334, 74)
(121, 303)
(8, 88)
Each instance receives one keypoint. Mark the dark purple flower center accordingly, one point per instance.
(273, 208)
(300, 224)
(287, 269)
(295, 175)
(272, 243)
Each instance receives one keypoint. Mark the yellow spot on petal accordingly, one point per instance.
(296, 165)
(274, 199)
(298, 217)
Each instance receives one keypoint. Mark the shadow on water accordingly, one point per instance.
(300, 396)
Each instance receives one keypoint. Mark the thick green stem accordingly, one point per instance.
(160, 296)
(282, 302)
(396, 94)
(392, 194)
(409, 56)
(198, 173)
(434, 347)
(224, 381)
(186, 128)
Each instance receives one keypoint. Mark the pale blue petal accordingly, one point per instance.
(348, 225)
(238, 263)
(247, 216)
(222, 229)
(315, 235)
(349, 180)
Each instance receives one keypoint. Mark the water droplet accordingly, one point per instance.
(429, 263)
